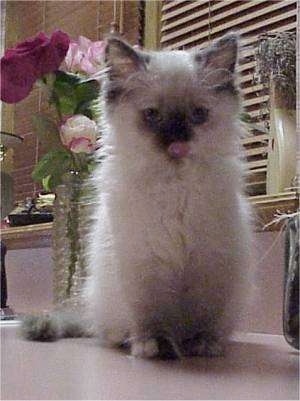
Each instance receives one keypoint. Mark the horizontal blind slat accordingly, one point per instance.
(246, 66)
(256, 151)
(252, 89)
(255, 183)
(166, 5)
(257, 163)
(256, 100)
(245, 78)
(257, 113)
(255, 139)
(256, 171)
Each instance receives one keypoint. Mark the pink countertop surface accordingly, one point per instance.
(257, 367)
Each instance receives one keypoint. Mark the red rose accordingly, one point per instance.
(22, 65)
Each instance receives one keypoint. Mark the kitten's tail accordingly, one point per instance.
(55, 325)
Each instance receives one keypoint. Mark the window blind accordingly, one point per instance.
(188, 24)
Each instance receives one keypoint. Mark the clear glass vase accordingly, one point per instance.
(291, 282)
(72, 210)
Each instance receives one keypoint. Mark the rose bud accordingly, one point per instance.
(79, 134)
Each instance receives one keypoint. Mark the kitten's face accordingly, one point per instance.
(174, 99)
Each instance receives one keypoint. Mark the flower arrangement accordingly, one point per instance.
(66, 70)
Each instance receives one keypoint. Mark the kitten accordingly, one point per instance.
(169, 252)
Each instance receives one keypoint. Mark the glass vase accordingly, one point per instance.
(291, 283)
(70, 228)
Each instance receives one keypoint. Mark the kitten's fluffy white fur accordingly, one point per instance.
(169, 249)
(170, 245)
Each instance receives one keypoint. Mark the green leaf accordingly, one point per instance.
(85, 109)
(51, 182)
(66, 78)
(63, 89)
(73, 95)
(87, 91)
(51, 167)
(67, 104)
(47, 132)
(50, 162)
(64, 94)
(46, 182)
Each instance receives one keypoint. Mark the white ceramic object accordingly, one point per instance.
(281, 167)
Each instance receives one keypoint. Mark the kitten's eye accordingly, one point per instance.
(199, 115)
(151, 115)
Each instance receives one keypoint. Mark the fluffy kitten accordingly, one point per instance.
(169, 251)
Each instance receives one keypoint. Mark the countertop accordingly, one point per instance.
(257, 367)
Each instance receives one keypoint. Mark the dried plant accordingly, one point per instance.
(276, 60)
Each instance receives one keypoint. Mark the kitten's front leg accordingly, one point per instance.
(153, 308)
(203, 344)
(213, 301)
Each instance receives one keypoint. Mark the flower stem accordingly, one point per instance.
(73, 232)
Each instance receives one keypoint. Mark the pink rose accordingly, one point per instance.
(22, 65)
(79, 134)
(85, 56)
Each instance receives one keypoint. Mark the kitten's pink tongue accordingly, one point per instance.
(179, 150)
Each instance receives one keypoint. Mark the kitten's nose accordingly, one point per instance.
(176, 128)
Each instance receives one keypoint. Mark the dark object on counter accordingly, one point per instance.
(291, 283)
(3, 277)
(29, 218)
(6, 313)
(29, 214)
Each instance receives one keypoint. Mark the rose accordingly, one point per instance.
(79, 134)
(85, 56)
(22, 65)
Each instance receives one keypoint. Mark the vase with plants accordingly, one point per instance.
(276, 69)
(68, 72)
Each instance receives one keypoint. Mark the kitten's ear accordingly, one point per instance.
(122, 59)
(220, 60)
(222, 54)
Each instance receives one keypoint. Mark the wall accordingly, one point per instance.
(29, 279)
(25, 19)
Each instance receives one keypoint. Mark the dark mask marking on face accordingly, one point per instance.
(169, 127)
(199, 115)
(228, 87)
(112, 94)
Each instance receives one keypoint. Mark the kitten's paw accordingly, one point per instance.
(207, 347)
(145, 348)
(113, 337)
(40, 328)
